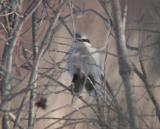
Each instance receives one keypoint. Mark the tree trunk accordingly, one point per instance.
(125, 68)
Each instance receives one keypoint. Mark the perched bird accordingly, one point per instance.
(84, 65)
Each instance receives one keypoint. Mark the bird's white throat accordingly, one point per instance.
(87, 44)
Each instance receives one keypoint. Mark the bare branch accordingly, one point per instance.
(125, 67)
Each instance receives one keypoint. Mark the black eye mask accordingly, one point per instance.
(83, 40)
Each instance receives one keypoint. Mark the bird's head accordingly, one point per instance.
(82, 39)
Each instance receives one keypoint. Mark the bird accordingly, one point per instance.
(84, 66)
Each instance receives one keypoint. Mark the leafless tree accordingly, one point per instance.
(36, 89)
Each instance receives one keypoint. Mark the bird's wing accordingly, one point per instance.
(71, 61)
(78, 56)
